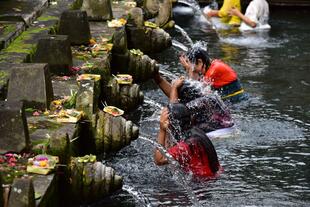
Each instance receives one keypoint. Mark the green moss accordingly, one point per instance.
(77, 4)
(47, 18)
(3, 77)
(8, 29)
(40, 146)
(19, 45)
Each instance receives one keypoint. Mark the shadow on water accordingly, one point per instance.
(267, 164)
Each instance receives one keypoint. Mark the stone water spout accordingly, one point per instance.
(127, 97)
(161, 10)
(148, 40)
(113, 133)
(91, 180)
(140, 66)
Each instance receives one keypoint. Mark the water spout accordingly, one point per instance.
(193, 4)
(184, 33)
(179, 45)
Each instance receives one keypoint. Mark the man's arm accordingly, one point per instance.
(163, 84)
(211, 13)
(159, 158)
(248, 21)
(174, 96)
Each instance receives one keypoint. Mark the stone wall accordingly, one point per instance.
(52, 72)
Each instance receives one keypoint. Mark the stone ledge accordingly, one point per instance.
(9, 32)
(45, 187)
(21, 10)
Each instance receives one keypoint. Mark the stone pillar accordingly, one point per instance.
(88, 96)
(164, 13)
(120, 53)
(13, 127)
(32, 84)
(74, 23)
(98, 10)
(56, 51)
(136, 18)
(59, 145)
(22, 193)
(111, 92)
(120, 41)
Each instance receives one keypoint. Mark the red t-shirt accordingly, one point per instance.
(220, 74)
(191, 160)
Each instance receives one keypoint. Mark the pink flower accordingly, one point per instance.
(36, 113)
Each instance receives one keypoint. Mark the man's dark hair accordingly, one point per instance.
(180, 126)
(180, 118)
(198, 137)
(196, 53)
(188, 92)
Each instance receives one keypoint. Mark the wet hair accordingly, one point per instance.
(209, 113)
(179, 117)
(196, 53)
(197, 137)
(188, 92)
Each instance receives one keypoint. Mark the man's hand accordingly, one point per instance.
(185, 62)
(178, 82)
(233, 11)
(164, 119)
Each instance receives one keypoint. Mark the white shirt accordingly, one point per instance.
(258, 12)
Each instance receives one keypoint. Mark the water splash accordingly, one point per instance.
(168, 74)
(255, 41)
(214, 5)
(184, 10)
(179, 45)
(184, 33)
(152, 102)
(193, 4)
(137, 195)
(178, 174)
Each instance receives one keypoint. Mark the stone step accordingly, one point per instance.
(23, 47)
(9, 31)
(22, 10)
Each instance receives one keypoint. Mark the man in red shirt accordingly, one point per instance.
(219, 75)
(193, 149)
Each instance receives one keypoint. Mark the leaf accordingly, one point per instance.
(29, 110)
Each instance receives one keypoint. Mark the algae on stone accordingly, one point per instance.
(20, 44)
(47, 18)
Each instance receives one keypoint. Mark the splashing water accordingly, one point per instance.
(253, 41)
(184, 33)
(152, 102)
(193, 4)
(184, 10)
(200, 44)
(168, 74)
(178, 175)
(214, 5)
(137, 195)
